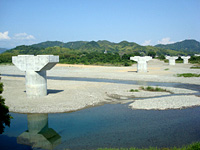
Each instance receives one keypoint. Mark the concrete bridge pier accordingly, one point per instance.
(172, 59)
(141, 62)
(35, 68)
(36, 83)
(185, 59)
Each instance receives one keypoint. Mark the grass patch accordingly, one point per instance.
(152, 89)
(134, 90)
(166, 60)
(195, 67)
(179, 61)
(167, 69)
(194, 146)
(188, 75)
(11, 64)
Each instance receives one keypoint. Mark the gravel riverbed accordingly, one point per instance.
(71, 95)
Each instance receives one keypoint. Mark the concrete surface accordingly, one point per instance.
(141, 62)
(35, 68)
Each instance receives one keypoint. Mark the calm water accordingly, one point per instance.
(104, 126)
(111, 125)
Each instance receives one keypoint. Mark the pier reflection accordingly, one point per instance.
(39, 135)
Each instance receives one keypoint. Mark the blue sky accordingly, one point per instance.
(146, 22)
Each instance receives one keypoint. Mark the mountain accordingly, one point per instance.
(48, 44)
(123, 47)
(186, 45)
(72, 45)
(82, 47)
(3, 50)
(91, 46)
(92, 52)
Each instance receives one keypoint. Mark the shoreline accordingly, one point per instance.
(72, 95)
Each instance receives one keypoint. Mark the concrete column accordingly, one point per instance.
(141, 63)
(36, 83)
(35, 68)
(171, 59)
(185, 59)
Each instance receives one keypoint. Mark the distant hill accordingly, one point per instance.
(93, 46)
(72, 45)
(48, 44)
(92, 52)
(123, 47)
(82, 47)
(186, 45)
(3, 50)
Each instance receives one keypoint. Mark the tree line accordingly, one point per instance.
(72, 56)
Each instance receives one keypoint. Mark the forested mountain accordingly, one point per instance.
(72, 45)
(83, 52)
(186, 45)
(124, 47)
(48, 44)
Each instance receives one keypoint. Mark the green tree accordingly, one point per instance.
(4, 112)
(152, 54)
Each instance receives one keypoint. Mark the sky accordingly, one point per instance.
(146, 22)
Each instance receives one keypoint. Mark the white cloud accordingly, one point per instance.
(147, 42)
(4, 36)
(23, 36)
(165, 41)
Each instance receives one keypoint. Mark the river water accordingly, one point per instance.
(110, 125)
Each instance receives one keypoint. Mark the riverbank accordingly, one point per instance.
(193, 146)
(71, 95)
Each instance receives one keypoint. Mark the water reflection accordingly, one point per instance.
(39, 135)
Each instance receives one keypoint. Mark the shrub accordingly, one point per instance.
(188, 75)
(4, 112)
(134, 90)
(195, 59)
(157, 89)
(195, 67)
(1, 87)
(194, 146)
(161, 57)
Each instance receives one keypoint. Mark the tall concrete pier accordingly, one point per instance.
(185, 59)
(172, 59)
(141, 62)
(35, 68)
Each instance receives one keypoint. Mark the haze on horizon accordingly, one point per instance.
(142, 21)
